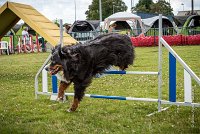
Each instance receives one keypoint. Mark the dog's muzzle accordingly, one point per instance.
(53, 69)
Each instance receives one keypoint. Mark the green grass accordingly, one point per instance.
(20, 112)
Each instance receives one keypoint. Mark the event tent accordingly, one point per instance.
(153, 22)
(190, 24)
(124, 16)
(83, 30)
(84, 26)
(122, 25)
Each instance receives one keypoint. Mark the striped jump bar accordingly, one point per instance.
(115, 97)
(130, 72)
(54, 78)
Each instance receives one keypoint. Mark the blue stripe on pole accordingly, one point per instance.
(108, 97)
(115, 72)
(172, 78)
(54, 84)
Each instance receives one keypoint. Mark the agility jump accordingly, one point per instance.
(173, 57)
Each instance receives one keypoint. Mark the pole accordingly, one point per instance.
(100, 11)
(132, 5)
(192, 7)
(61, 32)
(75, 8)
(160, 64)
(183, 6)
(37, 75)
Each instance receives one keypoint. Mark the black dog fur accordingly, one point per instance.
(81, 62)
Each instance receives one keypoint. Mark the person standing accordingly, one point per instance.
(25, 36)
(112, 28)
(67, 27)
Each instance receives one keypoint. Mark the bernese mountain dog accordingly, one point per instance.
(79, 63)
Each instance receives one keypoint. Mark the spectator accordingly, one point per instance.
(67, 27)
(25, 35)
(112, 28)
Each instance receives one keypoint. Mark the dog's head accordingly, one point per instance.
(63, 59)
(55, 62)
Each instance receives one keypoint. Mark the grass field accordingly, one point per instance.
(20, 112)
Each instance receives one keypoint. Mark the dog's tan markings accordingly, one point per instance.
(74, 105)
(57, 67)
(63, 86)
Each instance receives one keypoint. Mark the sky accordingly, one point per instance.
(65, 9)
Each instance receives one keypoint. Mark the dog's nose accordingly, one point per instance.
(47, 68)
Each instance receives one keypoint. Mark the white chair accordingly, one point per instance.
(4, 46)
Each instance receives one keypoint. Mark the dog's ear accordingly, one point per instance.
(68, 52)
(71, 55)
(65, 53)
(53, 49)
(61, 52)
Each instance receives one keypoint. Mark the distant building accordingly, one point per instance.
(187, 13)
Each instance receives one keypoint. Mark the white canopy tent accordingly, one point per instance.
(124, 16)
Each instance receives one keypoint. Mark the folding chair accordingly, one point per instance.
(4, 46)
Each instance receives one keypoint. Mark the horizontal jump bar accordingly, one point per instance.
(130, 72)
(128, 98)
(105, 97)
(116, 97)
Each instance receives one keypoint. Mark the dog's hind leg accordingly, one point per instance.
(74, 105)
(78, 95)
(79, 89)
(62, 87)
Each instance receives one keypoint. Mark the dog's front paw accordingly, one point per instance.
(60, 99)
(71, 110)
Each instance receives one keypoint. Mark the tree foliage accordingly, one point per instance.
(148, 6)
(108, 7)
(143, 6)
(162, 7)
(56, 21)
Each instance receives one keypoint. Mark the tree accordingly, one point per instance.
(162, 7)
(148, 6)
(56, 21)
(108, 7)
(143, 6)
